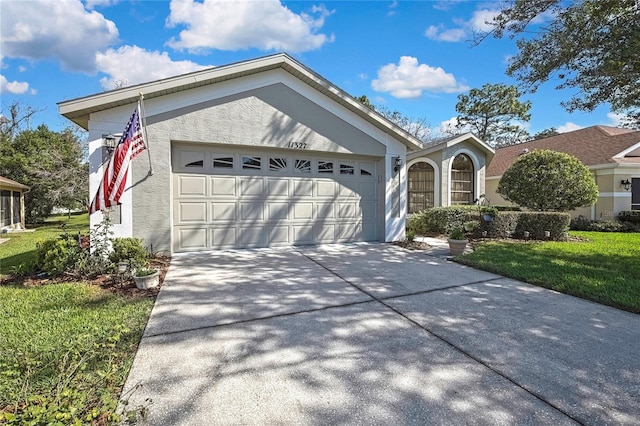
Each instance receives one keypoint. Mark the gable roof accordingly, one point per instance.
(11, 183)
(438, 144)
(595, 145)
(78, 110)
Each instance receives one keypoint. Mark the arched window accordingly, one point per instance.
(462, 180)
(421, 178)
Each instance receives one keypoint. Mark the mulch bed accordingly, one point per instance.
(115, 283)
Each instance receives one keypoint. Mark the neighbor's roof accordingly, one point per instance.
(595, 145)
(438, 144)
(78, 110)
(12, 183)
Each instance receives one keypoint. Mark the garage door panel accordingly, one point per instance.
(369, 231)
(279, 236)
(278, 187)
(277, 211)
(224, 237)
(253, 211)
(325, 189)
(193, 212)
(251, 236)
(326, 232)
(250, 186)
(223, 186)
(302, 188)
(368, 190)
(302, 234)
(347, 211)
(348, 190)
(189, 186)
(348, 231)
(325, 211)
(221, 211)
(303, 211)
(192, 238)
(368, 210)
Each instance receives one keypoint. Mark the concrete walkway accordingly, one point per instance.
(375, 334)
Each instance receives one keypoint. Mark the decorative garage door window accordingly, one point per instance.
(277, 164)
(325, 167)
(251, 163)
(303, 166)
(192, 159)
(347, 169)
(223, 162)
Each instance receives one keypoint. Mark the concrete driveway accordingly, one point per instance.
(374, 334)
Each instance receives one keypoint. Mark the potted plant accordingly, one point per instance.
(457, 241)
(146, 277)
(488, 213)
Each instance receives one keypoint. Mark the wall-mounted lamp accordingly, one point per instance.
(625, 184)
(397, 161)
(110, 141)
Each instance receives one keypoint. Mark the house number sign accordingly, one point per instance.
(297, 145)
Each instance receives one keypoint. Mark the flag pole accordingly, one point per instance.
(144, 129)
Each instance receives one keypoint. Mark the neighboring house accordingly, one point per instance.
(259, 153)
(612, 154)
(11, 204)
(447, 172)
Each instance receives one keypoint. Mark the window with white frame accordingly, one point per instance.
(462, 181)
(420, 187)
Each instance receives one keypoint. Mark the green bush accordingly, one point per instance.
(58, 255)
(442, 219)
(537, 223)
(631, 216)
(580, 223)
(130, 250)
(410, 234)
(502, 226)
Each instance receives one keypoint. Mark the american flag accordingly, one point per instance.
(115, 174)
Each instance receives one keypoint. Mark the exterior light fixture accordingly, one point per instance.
(110, 141)
(625, 184)
(397, 161)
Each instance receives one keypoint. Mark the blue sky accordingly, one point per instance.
(412, 56)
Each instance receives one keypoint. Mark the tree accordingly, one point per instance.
(52, 164)
(589, 45)
(546, 133)
(490, 113)
(417, 127)
(545, 180)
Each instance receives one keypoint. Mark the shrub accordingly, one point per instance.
(502, 226)
(410, 234)
(58, 255)
(631, 216)
(537, 223)
(129, 249)
(545, 180)
(442, 219)
(457, 234)
(580, 223)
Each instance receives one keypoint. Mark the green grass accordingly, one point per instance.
(65, 349)
(604, 269)
(19, 253)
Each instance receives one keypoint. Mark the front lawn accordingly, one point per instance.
(18, 255)
(605, 268)
(65, 348)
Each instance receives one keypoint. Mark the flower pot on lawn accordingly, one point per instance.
(146, 279)
(457, 247)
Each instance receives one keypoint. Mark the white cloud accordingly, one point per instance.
(132, 65)
(480, 21)
(62, 29)
(450, 127)
(615, 120)
(14, 87)
(266, 25)
(568, 127)
(92, 4)
(408, 79)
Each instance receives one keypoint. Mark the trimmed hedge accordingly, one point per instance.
(631, 216)
(505, 224)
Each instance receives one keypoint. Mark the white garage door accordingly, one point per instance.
(280, 198)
